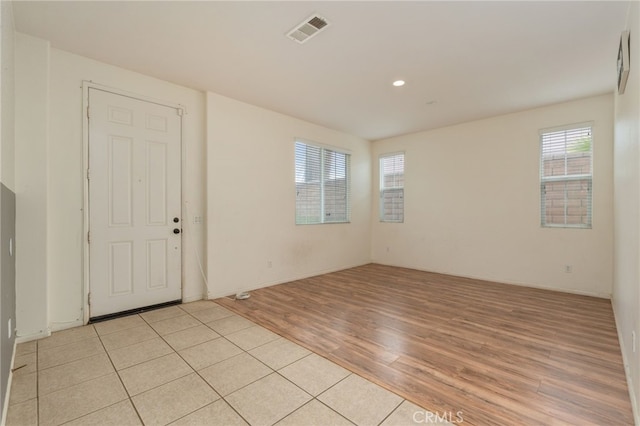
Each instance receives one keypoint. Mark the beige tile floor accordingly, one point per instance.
(192, 364)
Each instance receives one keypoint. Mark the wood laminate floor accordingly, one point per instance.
(499, 354)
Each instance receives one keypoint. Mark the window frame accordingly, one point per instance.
(383, 189)
(567, 178)
(323, 150)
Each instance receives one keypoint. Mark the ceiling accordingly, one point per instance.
(461, 60)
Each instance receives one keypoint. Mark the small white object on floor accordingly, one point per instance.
(242, 295)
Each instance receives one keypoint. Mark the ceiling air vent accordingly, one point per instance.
(307, 28)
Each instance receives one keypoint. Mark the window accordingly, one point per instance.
(565, 177)
(392, 188)
(322, 185)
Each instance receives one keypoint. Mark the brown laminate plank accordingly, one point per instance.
(501, 354)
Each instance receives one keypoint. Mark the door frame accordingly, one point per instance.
(86, 85)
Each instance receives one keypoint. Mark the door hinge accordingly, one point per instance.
(88, 174)
(89, 299)
(180, 111)
(88, 112)
(89, 237)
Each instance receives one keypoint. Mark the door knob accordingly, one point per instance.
(176, 230)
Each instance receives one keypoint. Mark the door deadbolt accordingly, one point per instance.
(176, 230)
(176, 220)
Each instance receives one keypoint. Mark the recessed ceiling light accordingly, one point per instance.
(398, 83)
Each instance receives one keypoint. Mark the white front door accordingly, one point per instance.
(134, 203)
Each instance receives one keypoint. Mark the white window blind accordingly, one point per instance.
(322, 185)
(566, 169)
(392, 188)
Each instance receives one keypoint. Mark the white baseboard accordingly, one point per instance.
(495, 280)
(34, 336)
(214, 295)
(58, 326)
(194, 298)
(625, 362)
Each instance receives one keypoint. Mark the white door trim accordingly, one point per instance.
(86, 85)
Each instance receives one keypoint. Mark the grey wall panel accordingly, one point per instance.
(8, 283)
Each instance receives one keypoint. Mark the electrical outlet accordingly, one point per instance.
(269, 264)
(568, 269)
(10, 329)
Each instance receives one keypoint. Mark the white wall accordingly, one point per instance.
(472, 203)
(31, 181)
(626, 283)
(7, 209)
(251, 201)
(7, 148)
(63, 162)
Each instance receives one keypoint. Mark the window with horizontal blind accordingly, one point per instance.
(322, 185)
(566, 168)
(392, 188)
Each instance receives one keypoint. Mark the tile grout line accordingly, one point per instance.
(294, 384)
(315, 398)
(197, 372)
(119, 378)
(243, 315)
(392, 411)
(351, 373)
(193, 370)
(203, 379)
(223, 397)
(99, 336)
(283, 377)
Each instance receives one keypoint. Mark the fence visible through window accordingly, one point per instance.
(392, 188)
(566, 177)
(322, 185)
